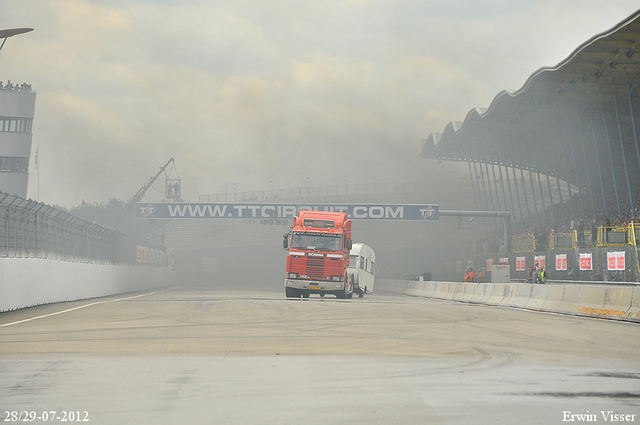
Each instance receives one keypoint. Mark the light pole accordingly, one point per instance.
(271, 181)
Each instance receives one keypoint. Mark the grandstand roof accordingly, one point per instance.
(569, 112)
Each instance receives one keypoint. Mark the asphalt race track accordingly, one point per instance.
(205, 355)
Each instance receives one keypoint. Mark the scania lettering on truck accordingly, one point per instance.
(319, 244)
(362, 268)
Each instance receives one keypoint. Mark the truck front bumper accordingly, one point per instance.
(314, 286)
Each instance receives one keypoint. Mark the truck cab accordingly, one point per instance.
(319, 244)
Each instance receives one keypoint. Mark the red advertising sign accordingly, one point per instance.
(615, 260)
(520, 264)
(586, 261)
(561, 261)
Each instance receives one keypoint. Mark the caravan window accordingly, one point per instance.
(353, 261)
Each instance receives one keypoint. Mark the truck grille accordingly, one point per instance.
(315, 268)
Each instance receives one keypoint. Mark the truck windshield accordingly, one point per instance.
(315, 241)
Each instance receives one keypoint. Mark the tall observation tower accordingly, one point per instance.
(17, 108)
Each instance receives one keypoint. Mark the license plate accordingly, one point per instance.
(314, 287)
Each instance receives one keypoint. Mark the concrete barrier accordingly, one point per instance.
(521, 295)
(468, 292)
(605, 301)
(26, 282)
(571, 298)
(497, 293)
(616, 302)
(555, 297)
(634, 309)
(538, 297)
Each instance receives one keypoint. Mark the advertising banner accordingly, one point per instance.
(271, 211)
(521, 263)
(143, 254)
(586, 261)
(615, 260)
(150, 255)
(489, 266)
(561, 262)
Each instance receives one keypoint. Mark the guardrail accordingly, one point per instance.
(30, 229)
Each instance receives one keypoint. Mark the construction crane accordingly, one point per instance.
(138, 196)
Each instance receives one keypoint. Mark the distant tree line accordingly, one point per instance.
(107, 213)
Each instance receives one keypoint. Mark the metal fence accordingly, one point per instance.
(335, 190)
(30, 229)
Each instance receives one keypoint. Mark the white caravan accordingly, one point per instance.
(362, 268)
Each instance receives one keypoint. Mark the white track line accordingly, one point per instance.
(83, 306)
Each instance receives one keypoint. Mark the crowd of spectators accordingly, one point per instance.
(17, 87)
(544, 227)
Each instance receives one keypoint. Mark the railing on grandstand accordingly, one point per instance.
(561, 240)
(607, 236)
(333, 190)
(30, 229)
(523, 244)
(613, 236)
(633, 234)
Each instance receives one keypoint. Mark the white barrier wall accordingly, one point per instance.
(614, 302)
(25, 282)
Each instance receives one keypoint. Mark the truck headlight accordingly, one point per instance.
(336, 278)
(293, 275)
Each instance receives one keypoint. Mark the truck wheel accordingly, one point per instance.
(321, 295)
(305, 295)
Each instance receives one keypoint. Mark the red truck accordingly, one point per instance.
(319, 245)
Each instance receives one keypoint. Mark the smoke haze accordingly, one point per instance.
(284, 92)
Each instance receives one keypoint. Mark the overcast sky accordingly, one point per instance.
(248, 92)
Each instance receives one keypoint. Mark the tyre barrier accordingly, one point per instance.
(603, 301)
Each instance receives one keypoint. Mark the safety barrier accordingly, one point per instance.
(604, 301)
(30, 229)
(27, 282)
(48, 255)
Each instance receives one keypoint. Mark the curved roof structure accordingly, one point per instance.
(576, 121)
